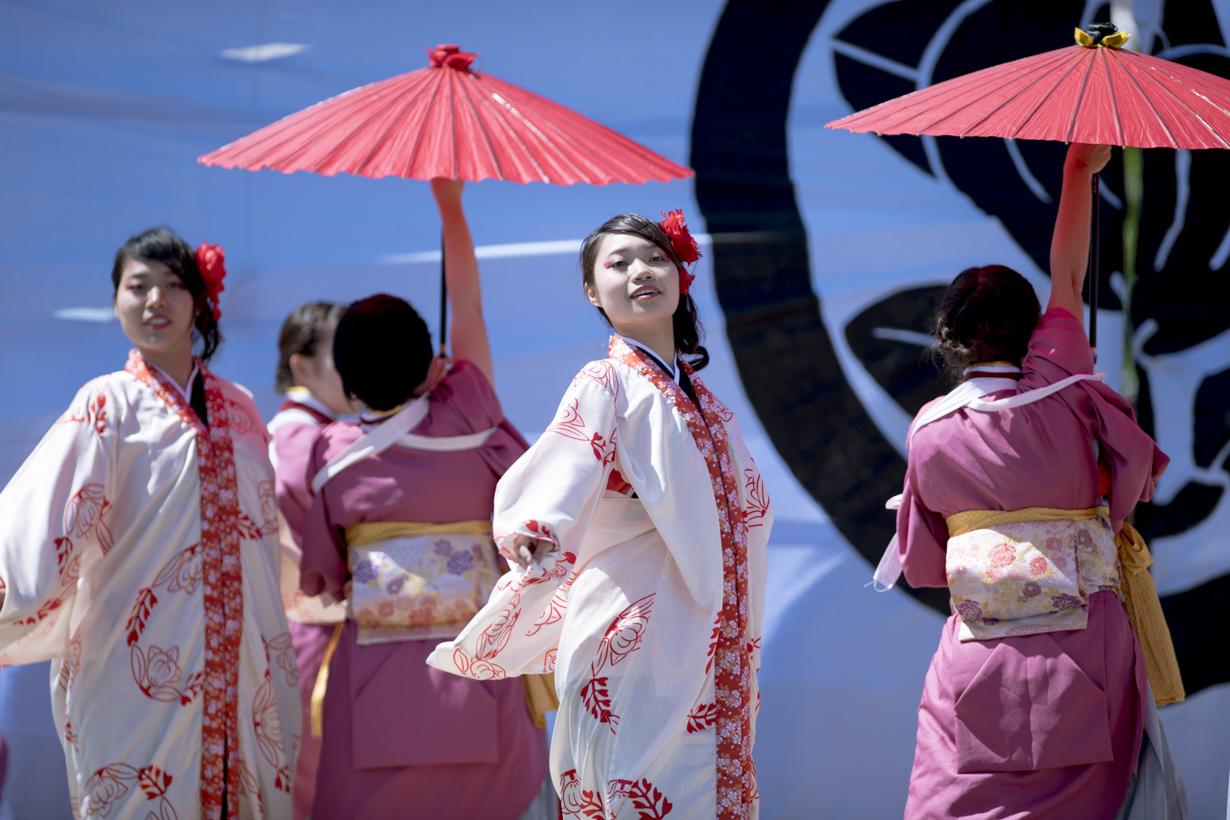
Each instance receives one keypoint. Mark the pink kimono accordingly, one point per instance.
(294, 429)
(1044, 725)
(401, 739)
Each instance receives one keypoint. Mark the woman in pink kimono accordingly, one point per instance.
(638, 522)
(138, 552)
(314, 397)
(400, 529)
(1035, 701)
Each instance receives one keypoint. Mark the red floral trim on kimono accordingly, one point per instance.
(221, 576)
(736, 788)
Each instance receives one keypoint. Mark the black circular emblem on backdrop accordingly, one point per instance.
(761, 259)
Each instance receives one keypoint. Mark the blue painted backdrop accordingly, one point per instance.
(104, 108)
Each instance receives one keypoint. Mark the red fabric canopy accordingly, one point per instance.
(450, 121)
(1097, 95)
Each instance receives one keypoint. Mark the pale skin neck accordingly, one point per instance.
(177, 364)
(659, 338)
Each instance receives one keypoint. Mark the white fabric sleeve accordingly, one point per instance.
(52, 512)
(551, 491)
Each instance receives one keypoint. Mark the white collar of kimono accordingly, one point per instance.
(989, 367)
(969, 394)
(301, 395)
(393, 429)
(672, 368)
(187, 396)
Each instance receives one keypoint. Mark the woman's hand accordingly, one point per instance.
(527, 549)
(1090, 159)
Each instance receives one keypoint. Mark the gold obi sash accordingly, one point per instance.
(1022, 572)
(414, 582)
(418, 582)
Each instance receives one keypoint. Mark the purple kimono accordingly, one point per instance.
(1068, 748)
(294, 431)
(402, 739)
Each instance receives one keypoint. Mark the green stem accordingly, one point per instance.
(1133, 194)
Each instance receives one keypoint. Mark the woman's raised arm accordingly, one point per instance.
(1070, 242)
(467, 336)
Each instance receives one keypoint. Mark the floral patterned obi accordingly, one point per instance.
(416, 582)
(1023, 572)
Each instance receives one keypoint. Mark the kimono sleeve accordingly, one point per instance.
(922, 538)
(552, 491)
(1058, 349)
(322, 569)
(53, 511)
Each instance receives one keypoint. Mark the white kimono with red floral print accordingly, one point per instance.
(139, 553)
(649, 608)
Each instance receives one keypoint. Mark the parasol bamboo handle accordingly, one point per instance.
(1093, 268)
(443, 301)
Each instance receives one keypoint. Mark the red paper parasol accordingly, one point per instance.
(447, 121)
(450, 121)
(1093, 92)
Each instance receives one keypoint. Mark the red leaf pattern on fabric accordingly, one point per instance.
(569, 424)
(733, 672)
(758, 498)
(478, 669)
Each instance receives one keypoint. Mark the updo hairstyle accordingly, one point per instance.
(987, 314)
(302, 333)
(164, 245)
(382, 350)
(688, 331)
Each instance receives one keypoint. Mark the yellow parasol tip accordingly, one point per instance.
(1103, 35)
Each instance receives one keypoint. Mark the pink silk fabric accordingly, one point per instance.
(293, 444)
(400, 738)
(1045, 726)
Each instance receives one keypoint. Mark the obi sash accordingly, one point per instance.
(1009, 574)
(1024, 572)
(418, 582)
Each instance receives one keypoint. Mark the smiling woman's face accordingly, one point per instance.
(635, 283)
(156, 310)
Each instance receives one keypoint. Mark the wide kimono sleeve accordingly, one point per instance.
(472, 406)
(1058, 349)
(922, 535)
(550, 493)
(322, 569)
(52, 513)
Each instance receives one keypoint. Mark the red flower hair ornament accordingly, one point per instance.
(211, 259)
(683, 244)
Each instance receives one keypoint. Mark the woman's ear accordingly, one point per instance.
(592, 293)
(301, 369)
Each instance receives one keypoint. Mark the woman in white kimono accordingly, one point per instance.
(638, 523)
(138, 552)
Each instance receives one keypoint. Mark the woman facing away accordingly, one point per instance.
(138, 552)
(314, 397)
(400, 528)
(1017, 484)
(638, 523)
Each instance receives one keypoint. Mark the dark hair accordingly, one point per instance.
(301, 333)
(987, 314)
(382, 351)
(688, 330)
(164, 245)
